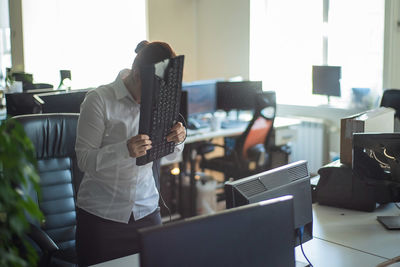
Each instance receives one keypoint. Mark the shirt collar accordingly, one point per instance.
(120, 89)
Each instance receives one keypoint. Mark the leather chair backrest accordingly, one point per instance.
(53, 136)
(260, 127)
(257, 134)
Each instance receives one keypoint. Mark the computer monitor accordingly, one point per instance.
(255, 235)
(376, 161)
(23, 103)
(61, 102)
(201, 97)
(291, 179)
(326, 80)
(237, 95)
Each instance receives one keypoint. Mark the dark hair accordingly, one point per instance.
(152, 52)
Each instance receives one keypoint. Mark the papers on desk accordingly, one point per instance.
(198, 131)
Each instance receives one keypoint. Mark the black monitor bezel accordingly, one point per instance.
(323, 86)
(237, 95)
(194, 85)
(236, 198)
(244, 236)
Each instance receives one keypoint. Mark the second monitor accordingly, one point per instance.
(201, 97)
(237, 95)
(291, 179)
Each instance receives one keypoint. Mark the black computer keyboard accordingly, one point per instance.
(159, 109)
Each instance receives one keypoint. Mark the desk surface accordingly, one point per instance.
(357, 229)
(326, 254)
(206, 133)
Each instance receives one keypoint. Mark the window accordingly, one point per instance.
(5, 45)
(93, 38)
(287, 37)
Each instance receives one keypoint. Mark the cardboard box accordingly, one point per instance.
(379, 120)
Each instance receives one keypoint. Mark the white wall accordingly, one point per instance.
(213, 35)
(174, 21)
(17, 38)
(223, 38)
(391, 67)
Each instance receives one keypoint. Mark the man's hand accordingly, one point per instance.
(177, 134)
(138, 145)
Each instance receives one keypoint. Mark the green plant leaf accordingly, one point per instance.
(18, 169)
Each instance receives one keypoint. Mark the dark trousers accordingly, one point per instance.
(99, 240)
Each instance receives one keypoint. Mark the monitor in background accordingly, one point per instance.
(23, 103)
(291, 179)
(201, 97)
(376, 161)
(254, 235)
(237, 95)
(326, 80)
(61, 102)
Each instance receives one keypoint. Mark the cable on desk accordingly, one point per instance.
(397, 205)
(158, 173)
(389, 262)
(162, 199)
(300, 233)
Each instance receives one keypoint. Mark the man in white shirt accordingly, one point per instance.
(116, 197)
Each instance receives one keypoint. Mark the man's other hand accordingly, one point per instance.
(177, 133)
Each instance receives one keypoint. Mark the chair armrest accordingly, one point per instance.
(254, 152)
(39, 236)
(205, 147)
(283, 148)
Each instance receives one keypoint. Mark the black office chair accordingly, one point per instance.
(250, 153)
(391, 99)
(53, 136)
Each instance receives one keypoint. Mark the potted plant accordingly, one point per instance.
(17, 171)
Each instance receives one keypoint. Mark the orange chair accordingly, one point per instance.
(249, 153)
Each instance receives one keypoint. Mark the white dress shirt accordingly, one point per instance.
(113, 185)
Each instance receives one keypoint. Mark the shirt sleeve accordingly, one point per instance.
(90, 130)
(178, 149)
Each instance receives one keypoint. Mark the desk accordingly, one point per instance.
(322, 253)
(357, 229)
(350, 238)
(342, 238)
(284, 132)
(280, 124)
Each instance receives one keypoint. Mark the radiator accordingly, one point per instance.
(310, 144)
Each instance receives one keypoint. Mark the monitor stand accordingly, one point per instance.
(329, 100)
(390, 222)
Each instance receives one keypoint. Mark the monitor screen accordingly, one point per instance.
(326, 80)
(61, 102)
(291, 179)
(376, 157)
(201, 97)
(254, 235)
(237, 95)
